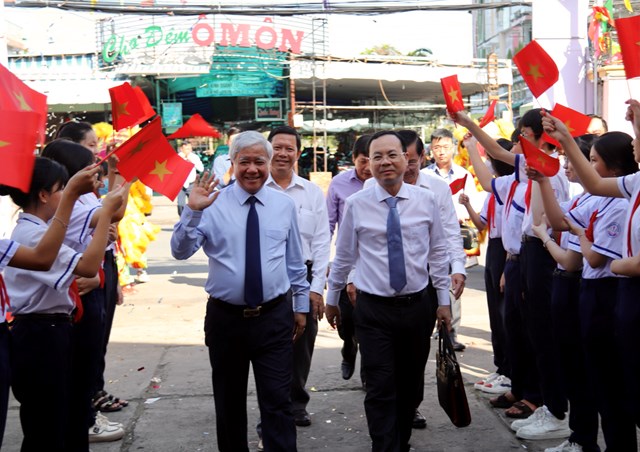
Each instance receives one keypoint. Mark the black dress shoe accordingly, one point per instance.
(302, 419)
(457, 346)
(347, 370)
(419, 421)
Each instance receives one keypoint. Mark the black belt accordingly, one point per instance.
(567, 274)
(529, 238)
(57, 318)
(513, 257)
(247, 312)
(398, 300)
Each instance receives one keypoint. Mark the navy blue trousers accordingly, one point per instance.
(628, 339)
(565, 315)
(5, 377)
(598, 300)
(110, 301)
(537, 274)
(493, 270)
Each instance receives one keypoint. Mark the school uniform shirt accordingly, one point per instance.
(457, 172)
(313, 223)
(513, 212)
(8, 249)
(559, 184)
(362, 242)
(495, 228)
(40, 292)
(629, 186)
(79, 230)
(448, 217)
(608, 232)
(220, 230)
(566, 236)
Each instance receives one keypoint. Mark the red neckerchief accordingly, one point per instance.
(4, 296)
(74, 293)
(491, 211)
(588, 233)
(633, 210)
(512, 191)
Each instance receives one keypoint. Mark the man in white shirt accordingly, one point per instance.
(186, 152)
(221, 167)
(313, 223)
(391, 233)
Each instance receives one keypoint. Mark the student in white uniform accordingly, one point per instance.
(37, 258)
(621, 317)
(565, 303)
(42, 307)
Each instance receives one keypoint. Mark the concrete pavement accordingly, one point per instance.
(157, 360)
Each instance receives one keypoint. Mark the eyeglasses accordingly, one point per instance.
(441, 147)
(391, 156)
(413, 163)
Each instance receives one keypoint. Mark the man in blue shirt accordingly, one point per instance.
(258, 292)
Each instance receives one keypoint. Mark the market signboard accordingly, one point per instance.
(270, 109)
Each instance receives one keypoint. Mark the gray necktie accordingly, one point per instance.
(397, 272)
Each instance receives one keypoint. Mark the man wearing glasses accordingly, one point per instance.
(442, 150)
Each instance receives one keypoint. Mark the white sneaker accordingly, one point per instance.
(546, 427)
(537, 414)
(565, 447)
(500, 385)
(101, 433)
(479, 384)
(102, 420)
(260, 446)
(143, 277)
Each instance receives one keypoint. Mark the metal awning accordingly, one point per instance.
(75, 95)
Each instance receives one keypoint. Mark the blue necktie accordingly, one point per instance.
(253, 295)
(397, 272)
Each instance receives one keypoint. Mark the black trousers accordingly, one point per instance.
(346, 329)
(598, 299)
(41, 374)
(88, 338)
(110, 302)
(493, 270)
(565, 310)
(5, 377)
(627, 335)
(524, 378)
(265, 342)
(393, 344)
(537, 275)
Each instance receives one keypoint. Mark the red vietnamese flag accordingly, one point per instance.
(196, 126)
(128, 107)
(18, 137)
(629, 39)
(148, 156)
(538, 160)
(490, 115)
(452, 93)
(458, 184)
(576, 122)
(147, 109)
(15, 95)
(536, 67)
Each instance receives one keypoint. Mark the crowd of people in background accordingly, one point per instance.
(561, 278)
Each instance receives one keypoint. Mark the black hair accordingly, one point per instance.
(605, 126)
(616, 150)
(515, 137)
(287, 131)
(382, 133)
(361, 146)
(233, 131)
(74, 130)
(410, 137)
(441, 133)
(501, 168)
(532, 119)
(585, 143)
(46, 174)
(72, 156)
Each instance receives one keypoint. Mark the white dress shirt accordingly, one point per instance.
(35, 291)
(456, 172)
(198, 167)
(220, 230)
(629, 186)
(7, 250)
(513, 212)
(448, 217)
(362, 242)
(221, 165)
(313, 223)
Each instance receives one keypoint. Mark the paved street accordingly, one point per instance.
(157, 360)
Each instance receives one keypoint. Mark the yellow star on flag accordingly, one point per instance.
(453, 95)
(137, 149)
(122, 109)
(23, 103)
(534, 71)
(4, 143)
(568, 126)
(542, 161)
(161, 170)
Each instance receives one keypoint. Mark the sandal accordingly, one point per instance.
(107, 403)
(502, 401)
(519, 410)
